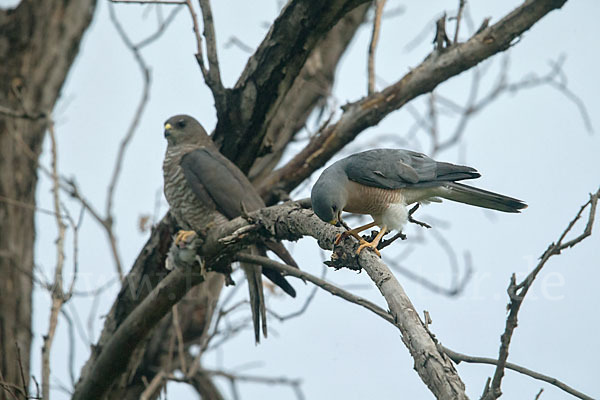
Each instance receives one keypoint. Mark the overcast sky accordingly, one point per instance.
(533, 145)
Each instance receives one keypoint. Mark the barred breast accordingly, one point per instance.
(371, 200)
(189, 212)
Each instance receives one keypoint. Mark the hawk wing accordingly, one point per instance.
(219, 182)
(396, 169)
(216, 180)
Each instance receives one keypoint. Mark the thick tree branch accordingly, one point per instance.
(270, 73)
(288, 221)
(310, 90)
(438, 67)
(114, 357)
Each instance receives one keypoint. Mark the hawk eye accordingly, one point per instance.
(181, 123)
(334, 207)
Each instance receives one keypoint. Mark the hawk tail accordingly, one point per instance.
(257, 297)
(481, 198)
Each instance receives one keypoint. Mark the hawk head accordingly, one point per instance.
(183, 129)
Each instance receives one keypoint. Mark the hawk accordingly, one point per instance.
(204, 189)
(383, 182)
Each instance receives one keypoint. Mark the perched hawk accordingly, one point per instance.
(204, 189)
(383, 182)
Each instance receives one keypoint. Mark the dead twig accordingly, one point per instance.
(441, 40)
(57, 295)
(329, 287)
(212, 74)
(304, 307)
(461, 7)
(379, 5)
(233, 378)
(459, 357)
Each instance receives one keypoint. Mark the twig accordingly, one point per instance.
(75, 226)
(71, 331)
(212, 74)
(459, 357)
(517, 292)
(441, 40)
(334, 290)
(199, 52)
(146, 75)
(179, 336)
(57, 288)
(154, 385)
(237, 42)
(220, 314)
(21, 371)
(461, 7)
(304, 307)
(233, 378)
(210, 38)
(162, 27)
(455, 289)
(473, 105)
(22, 204)
(379, 4)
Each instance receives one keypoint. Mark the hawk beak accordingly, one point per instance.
(168, 128)
(336, 220)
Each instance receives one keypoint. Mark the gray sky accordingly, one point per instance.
(532, 145)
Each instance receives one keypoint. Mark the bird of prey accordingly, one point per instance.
(204, 189)
(383, 182)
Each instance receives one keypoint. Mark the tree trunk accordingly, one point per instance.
(38, 42)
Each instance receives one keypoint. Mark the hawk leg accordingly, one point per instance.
(353, 232)
(183, 236)
(374, 243)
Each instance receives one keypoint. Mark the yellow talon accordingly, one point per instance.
(372, 246)
(374, 243)
(183, 236)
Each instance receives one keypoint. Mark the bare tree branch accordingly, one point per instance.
(461, 7)
(517, 292)
(219, 246)
(57, 295)
(213, 75)
(114, 357)
(458, 358)
(334, 290)
(435, 69)
(310, 90)
(270, 73)
(379, 5)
